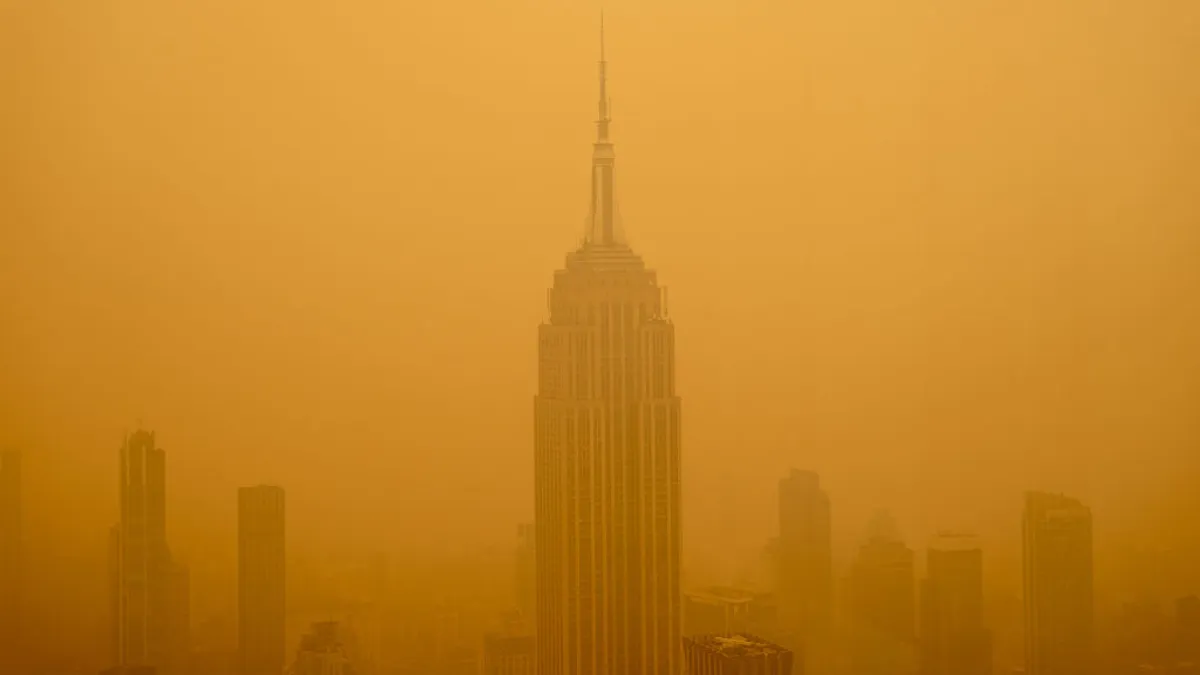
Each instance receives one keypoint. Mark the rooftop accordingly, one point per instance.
(738, 645)
(720, 595)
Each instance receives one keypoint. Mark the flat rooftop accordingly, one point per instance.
(738, 645)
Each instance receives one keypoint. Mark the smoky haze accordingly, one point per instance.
(940, 252)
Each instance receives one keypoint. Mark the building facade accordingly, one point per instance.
(1059, 605)
(607, 455)
(142, 575)
(881, 593)
(261, 581)
(805, 556)
(954, 640)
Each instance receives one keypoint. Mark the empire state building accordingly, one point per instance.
(607, 455)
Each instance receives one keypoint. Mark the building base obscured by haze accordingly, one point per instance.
(323, 651)
(509, 655)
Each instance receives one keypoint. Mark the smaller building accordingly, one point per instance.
(508, 655)
(323, 651)
(723, 610)
(735, 654)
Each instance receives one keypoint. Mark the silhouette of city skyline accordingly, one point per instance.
(597, 583)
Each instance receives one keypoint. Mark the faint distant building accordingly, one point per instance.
(954, 640)
(509, 655)
(769, 566)
(1187, 629)
(883, 588)
(261, 582)
(142, 559)
(179, 617)
(527, 573)
(11, 601)
(213, 652)
(716, 611)
(735, 654)
(1059, 609)
(805, 555)
(881, 591)
(722, 610)
(380, 579)
(323, 651)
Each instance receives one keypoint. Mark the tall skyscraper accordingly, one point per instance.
(261, 602)
(953, 638)
(11, 553)
(607, 455)
(1059, 610)
(142, 559)
(736, 654)
(805, 551)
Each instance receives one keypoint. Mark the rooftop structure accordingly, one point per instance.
(740, 653)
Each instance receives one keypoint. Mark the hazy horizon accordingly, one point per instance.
(940, 255)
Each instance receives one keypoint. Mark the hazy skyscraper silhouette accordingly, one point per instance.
(141, 556)
(882, 593)
(261, 580)
(953, 638)
(607, 455)
(11, 555)
(1059, 605)
(805, 546)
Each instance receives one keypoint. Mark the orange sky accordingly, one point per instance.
(938, 251)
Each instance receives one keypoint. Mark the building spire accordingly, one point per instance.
(602, 216)
(603, 121)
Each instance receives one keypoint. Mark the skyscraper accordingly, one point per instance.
(1059, 618)
(141, 556)
(261, 602)
(882, 594)
(953, 638)
(607, 455)
(10, 558)
(805, 574)
(882, 588)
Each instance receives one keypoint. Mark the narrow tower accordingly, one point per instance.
(607, 455)
(1059, 607)
(261, 581)
(141, 556)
